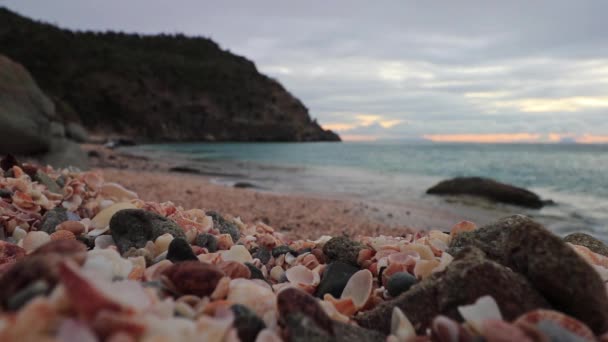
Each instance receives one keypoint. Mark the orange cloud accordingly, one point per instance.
(484, 138)
(592, 139)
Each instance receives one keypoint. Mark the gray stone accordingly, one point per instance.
(588, 241)
(180, 250)
(208, 241)
(334, 279)
(399, 282)
(470, 276)
(224, 226)
(45, 180)
(248, 325)
(52, 218)
(342, 249)
(135, 227)
(76, 132)
(567, 281)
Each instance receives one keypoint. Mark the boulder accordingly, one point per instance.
(567, 281)
(588, 241)
(76, 132)
(470, 276)
(489, 189)
(25, 111)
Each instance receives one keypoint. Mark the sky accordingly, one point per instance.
(466, 71)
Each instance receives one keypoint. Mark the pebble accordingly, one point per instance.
(280, 250)
(45, 180)
(588, 241)
(334, 279)
(208, 241)
(248, 325)
(52, 219)
(342, 249)
(5, 193)
(399, 282)
(224, 226)
(135, 227)
(256, 273)
(263, 254)
(179, 250)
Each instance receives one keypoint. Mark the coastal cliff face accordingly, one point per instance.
(156, 88)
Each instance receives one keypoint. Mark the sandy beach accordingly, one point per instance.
(297, 215)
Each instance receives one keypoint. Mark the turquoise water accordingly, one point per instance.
(573, 175)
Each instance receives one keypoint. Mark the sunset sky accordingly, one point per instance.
(485, 71)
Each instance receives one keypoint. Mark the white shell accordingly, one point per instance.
(19, 234)
(483, 309)
(34, 240)
(237, 253)
(359, 288)
(401, 327)
(102, 219)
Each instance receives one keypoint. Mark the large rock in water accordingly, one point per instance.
(470, 276)
(489, 189)
(588, 241)
(25, 112)
(567, 281)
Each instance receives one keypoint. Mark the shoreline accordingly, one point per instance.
(297, 215)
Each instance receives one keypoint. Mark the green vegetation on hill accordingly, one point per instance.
(155, 88)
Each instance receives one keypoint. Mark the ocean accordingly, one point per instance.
(572, 175)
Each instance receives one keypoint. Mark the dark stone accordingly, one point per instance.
(35, 289)
(399, 282)
(208, 241)
(224, 226)
(489, 189)
(256, 273)
(470, 276)
(52, 218)
(293, 301)
(8, 162)
(45, 180)
(93, 154)
(334, 279)
(135, 227)
(263, 254)
(244, 185)
(193, 277)
(588, 241)
(88, 241)
(185, 169)
(300, 327)
(342, 249)
(180, 250)
(248, 325)
(544, 259)
(280, 250)
(5, 193)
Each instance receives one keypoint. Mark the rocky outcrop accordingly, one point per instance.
(156, 88)
(489, 189)
(29, 125)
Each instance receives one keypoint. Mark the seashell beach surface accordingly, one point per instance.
(82, 259)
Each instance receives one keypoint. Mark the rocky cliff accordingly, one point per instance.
(156, 88)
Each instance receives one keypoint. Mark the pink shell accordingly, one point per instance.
(573, 325)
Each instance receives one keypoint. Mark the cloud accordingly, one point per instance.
(472, 69)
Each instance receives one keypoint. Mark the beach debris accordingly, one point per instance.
(92, 261)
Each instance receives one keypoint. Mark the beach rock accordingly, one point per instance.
(342, 249)
(180, 250)
(135, 227)
(244, 185)
(6, 193)
(399, 282)
(263, 254)
(588, 241)
(45, 180)
(193, 277)
(489, 189)
(256, 273)
(280, 250)
(470, 276)
(301, 328)
(543, 258)
(291, 301)
(208, 241)
(248, 325)
(25, 111)
(334, 279)
(224, 226)
(76, 132)
(52, 219)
